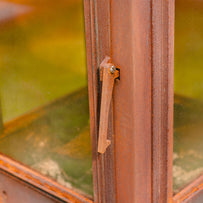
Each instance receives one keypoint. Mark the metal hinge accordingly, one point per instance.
(108, 73)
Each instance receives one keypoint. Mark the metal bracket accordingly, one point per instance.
(108, 74)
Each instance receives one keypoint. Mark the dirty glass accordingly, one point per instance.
(44, 119)
(188, 98)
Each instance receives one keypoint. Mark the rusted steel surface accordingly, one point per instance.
(98, 45)
(106, 163)
(41, 182)
(92, 88)
(131, 50)
(125, 30)
(162, 99)
(192, 193)
(139, 37)
(108, 78)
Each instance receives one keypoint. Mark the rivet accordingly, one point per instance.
(112, 69)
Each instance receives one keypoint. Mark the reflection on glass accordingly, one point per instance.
(188, 107)
(44, 120)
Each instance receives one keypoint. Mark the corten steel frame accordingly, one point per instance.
(162, 99)
(162, 108)
(138, 35)
(121, 29)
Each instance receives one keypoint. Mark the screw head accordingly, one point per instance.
(112, 69)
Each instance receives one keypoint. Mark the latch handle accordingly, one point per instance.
(108, 74)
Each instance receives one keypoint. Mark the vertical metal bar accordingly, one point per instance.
(162, 98)
(131, 50)
(98, 45)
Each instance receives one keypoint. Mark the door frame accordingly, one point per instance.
(163, 13)
(112, 26)
(127, 31)
(163, 19)
(138, 35)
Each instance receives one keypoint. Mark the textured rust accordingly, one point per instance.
(162, 99)
(132, 33)
(131, 50)
(108, 80)
(98, 45)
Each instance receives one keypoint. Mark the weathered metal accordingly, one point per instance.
(98, 45)
(131, 50)
(108, 74)
(162, 99)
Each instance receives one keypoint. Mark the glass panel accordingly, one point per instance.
(44, 120)
(188, 107)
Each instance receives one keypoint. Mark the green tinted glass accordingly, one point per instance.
(44, 120)
(188, 106)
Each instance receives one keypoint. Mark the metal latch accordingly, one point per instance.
(108, 74)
